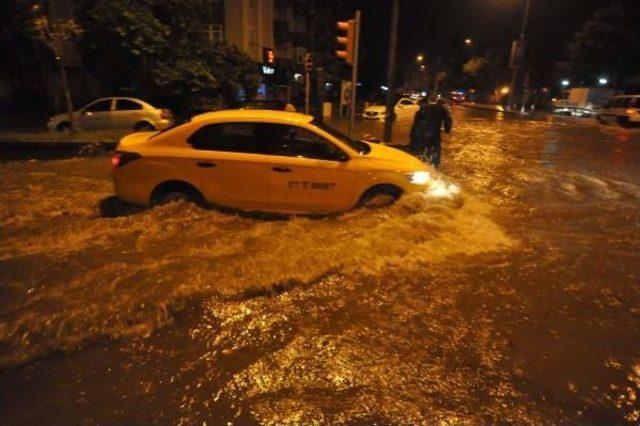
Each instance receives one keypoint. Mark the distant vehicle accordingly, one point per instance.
(115, 113)
(404, 108)
(583, 101)
(269, 104)
(261, 160)
(621, 110)
(458, 97)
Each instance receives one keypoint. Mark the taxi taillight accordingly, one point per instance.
(121, 158)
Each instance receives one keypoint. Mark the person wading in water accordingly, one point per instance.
(425, 132)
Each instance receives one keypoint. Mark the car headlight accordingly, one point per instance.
(419, 178)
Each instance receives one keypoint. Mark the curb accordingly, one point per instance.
(488, 108)
(46, 150)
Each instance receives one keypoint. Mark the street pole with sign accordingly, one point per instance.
(351, 42)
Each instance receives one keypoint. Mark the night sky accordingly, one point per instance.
(438, 28)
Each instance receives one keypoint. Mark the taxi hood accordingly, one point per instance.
(397, 157)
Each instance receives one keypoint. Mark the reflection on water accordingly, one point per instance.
(518, 305)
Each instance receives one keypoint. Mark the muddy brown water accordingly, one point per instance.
(520, 304)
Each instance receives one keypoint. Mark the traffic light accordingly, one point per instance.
(308, 62)
(346, 41)
(268, 58)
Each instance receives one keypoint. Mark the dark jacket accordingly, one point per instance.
(427, 124)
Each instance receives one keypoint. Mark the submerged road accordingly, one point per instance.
(519, 305)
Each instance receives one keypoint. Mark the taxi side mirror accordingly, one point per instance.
(342, 157)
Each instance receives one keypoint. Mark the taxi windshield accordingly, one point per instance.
(358, 146)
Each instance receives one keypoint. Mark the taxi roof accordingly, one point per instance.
(253, 114)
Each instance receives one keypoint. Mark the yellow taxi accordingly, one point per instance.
(259, 160)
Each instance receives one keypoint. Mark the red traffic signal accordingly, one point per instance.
(268, 57)
(346, 41)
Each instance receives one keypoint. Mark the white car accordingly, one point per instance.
(115, 113)
(622, 110)
(404, 108)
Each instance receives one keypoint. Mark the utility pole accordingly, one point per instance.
(391, 72)
(517, 54)
(308, 67)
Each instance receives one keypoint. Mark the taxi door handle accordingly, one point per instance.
(206, 164)
(281, 169)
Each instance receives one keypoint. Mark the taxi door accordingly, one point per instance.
(308, 174)
(230, 167)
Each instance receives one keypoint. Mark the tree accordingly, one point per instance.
(157, 48)
(609, 43)
(54, 33)
(485, 72)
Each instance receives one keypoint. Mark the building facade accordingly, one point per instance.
(248, 25)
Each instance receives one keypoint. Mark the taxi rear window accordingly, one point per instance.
(228, 137)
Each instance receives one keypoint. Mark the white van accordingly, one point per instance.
(622, 110)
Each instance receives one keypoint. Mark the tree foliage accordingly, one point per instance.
(609, 43)
(158, 48)
(487, 72)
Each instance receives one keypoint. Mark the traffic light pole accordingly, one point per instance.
(307, 91)
(354, 75)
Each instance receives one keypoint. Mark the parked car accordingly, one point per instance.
(115, 113)
(621, 110)
(404, 108)
(263, 160)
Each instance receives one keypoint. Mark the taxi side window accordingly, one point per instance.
(292, 141)
(228, 137)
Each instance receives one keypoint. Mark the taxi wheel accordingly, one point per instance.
(380, 196)
(173, 192)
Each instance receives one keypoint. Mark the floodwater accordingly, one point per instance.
(519, 303)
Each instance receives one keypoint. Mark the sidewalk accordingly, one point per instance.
(489, 107)
(21, 144)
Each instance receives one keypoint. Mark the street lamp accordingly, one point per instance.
(468, 41)
(420, 58)
(423, 67)
(565, 83)
(603, 81)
